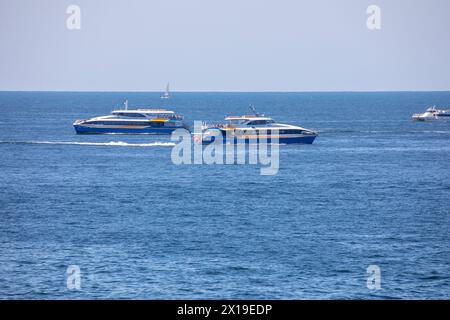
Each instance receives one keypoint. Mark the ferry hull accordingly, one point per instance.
(81, 129)
(282, 140)
(300, 140)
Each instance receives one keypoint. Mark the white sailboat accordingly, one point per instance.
(166, 94)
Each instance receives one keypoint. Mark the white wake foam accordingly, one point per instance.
(108, 144)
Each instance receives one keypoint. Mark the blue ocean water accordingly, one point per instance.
(372, 190)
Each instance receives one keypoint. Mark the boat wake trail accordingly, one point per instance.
(107, 144)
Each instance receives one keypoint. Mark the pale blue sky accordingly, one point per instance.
(225, 45)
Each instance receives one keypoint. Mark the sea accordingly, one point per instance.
(363, 213)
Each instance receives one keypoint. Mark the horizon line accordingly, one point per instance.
(228, 91)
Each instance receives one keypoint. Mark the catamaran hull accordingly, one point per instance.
(282, 140)
(82, 129)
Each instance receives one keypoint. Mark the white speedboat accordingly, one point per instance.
(431, 114)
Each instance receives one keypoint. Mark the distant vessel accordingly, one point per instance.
(432, 114)
(138, 121)
(166, 94)
(255, 127)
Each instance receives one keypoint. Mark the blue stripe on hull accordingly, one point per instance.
(304, 140)
(86, 130)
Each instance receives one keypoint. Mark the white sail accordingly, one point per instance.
(166, 94)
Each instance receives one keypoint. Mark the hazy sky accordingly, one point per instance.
(225, 45)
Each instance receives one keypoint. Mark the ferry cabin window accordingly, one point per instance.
(131, 115)
(237, 122)
(259, 122)
(118, 123)
(162, 115)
